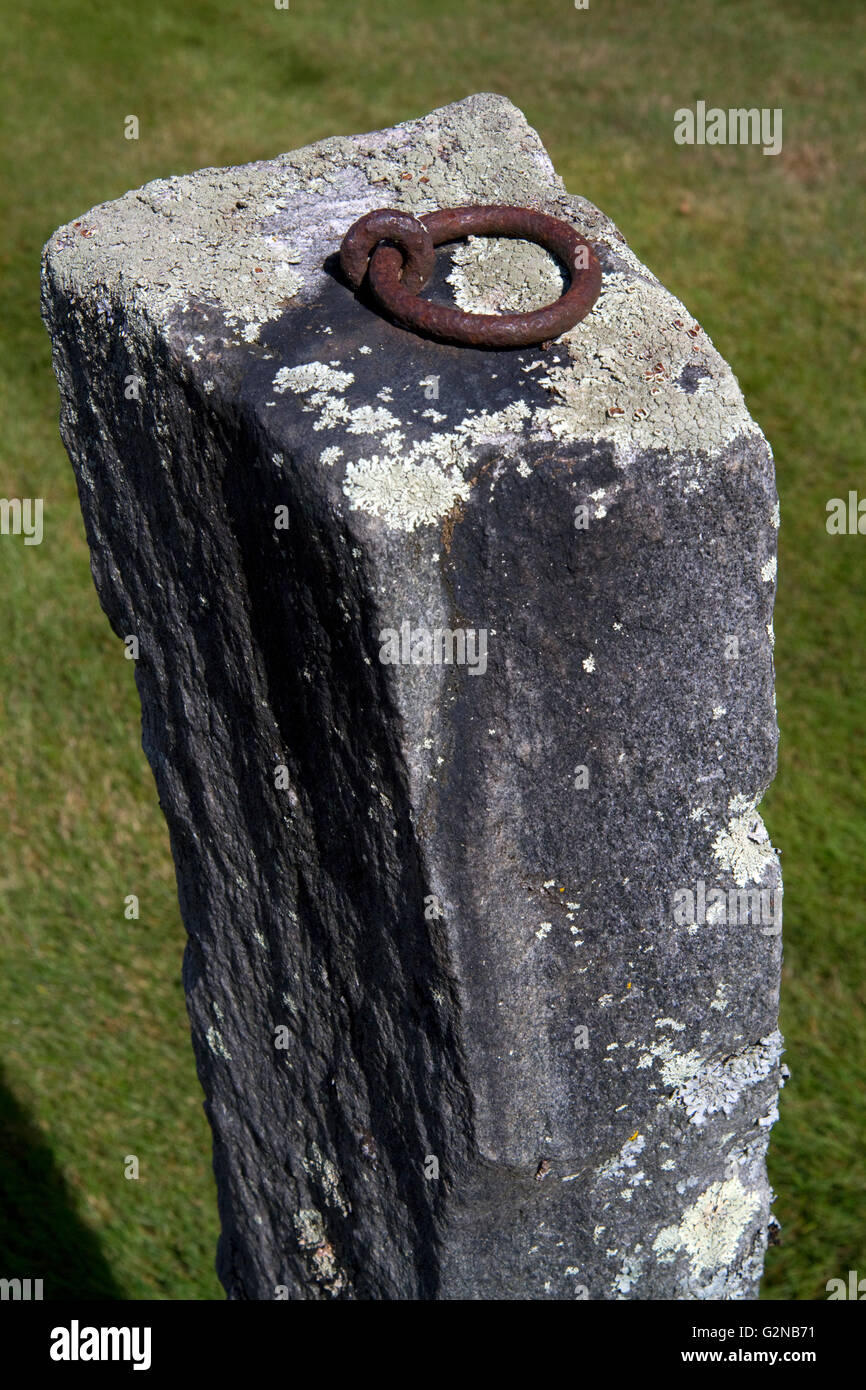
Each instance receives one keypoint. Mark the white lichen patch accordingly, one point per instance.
(630, 1272)
(718, 1086)
(639, 372)
(406, 494)
(367, 419)
(312, 376)
(309, 1227)
(196, 237)
(325, 1173)
(488, 426)
(310, 1231)
(768, 570)
(410, 488)
(720, 1000)
(676, 1067)
(711, 1230)
(744, 849)
(216, 1044)
(625, 1159)
(589, 663)
(628, 360)
(603, 497)
(405, 486)
(499, 275)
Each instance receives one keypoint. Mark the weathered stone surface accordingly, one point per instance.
(399, 864)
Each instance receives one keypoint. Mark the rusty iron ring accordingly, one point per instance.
(394, 271)
(418, 256)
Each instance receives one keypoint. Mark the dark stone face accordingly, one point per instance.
(454, 1040)
(691, 376)
(338, 326)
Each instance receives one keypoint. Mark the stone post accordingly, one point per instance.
(457, 685)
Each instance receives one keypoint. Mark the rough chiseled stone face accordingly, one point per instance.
(476, 1003)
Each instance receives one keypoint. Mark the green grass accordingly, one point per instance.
(764, 251)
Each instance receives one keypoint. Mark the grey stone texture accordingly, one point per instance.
(458, 1032)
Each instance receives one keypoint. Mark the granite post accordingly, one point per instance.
(456, 680)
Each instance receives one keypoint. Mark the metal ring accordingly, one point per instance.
(398, 296)
(418, 256)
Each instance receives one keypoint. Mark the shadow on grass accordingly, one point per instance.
(41, 1237)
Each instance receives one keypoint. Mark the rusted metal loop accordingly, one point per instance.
(388, 279)
(417, 256)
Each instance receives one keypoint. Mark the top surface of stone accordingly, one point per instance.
(215, 259)
(248, 240)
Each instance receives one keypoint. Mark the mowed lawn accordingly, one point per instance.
(766, 252)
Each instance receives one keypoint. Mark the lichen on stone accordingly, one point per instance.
(312, 376)
(310, 1227)
(216, 1044)
(501, 275)
(625, 1159)
(325, 1173)
(718, 1086)
(194, 237)
(711, 1229)
(620, 384)
(744, 848)
(405, 495)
